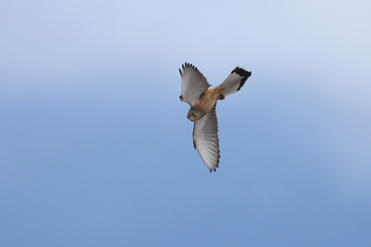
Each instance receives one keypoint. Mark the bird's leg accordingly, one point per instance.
(221, 96)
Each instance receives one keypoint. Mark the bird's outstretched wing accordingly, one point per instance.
(234, 81)
(193, 83)
(205, 139)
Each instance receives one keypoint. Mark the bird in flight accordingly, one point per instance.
(202, 99)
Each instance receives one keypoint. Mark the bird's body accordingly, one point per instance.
(202, 99)
(206, 102)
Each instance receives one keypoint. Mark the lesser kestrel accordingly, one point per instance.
(202, 99)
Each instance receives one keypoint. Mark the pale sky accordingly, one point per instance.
(96, 149)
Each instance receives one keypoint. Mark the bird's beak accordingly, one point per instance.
(191, 117)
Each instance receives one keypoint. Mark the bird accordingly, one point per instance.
(202, 99)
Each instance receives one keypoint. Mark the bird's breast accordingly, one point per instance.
(207, 101)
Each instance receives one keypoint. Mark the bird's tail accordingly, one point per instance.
(234, 81)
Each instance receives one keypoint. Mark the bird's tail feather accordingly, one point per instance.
(234, 81)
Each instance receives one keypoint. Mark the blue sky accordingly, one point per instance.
(96, 149)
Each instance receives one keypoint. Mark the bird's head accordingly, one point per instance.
(193, 114)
